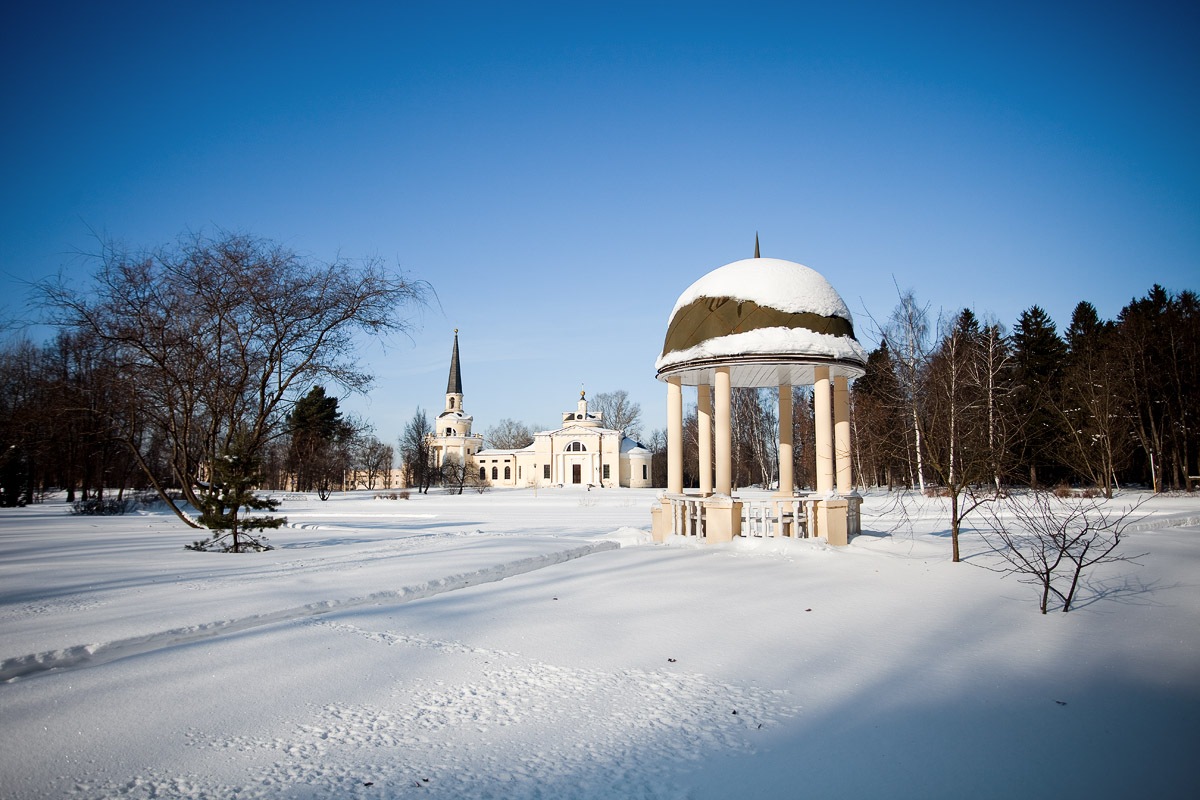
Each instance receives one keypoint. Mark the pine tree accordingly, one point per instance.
(234, 475)
(1093, 411)
(878, 404)
(317, 428)
(1038, 357)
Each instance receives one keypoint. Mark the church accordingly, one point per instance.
(582, 452)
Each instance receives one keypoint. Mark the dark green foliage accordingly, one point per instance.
(234, 476)
(319, 437)
(1159, 345)
(1039, 356)
(103, 506)
(879, 414)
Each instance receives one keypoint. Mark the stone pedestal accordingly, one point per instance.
(722, 519)
(660, 522)
(854, 514)
(833, 520)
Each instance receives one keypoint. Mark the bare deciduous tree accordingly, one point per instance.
(371, 460)
(417, 454)
(457, 475)
(620, 413)
(1051, 542)
(908, 332)
(211, 339)
(508, 434)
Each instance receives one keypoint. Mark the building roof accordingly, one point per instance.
(770, 321)
(454, 384)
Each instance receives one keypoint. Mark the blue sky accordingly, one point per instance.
(561, 172)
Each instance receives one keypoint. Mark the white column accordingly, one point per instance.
(841, 433)
(674, 435)
(704, 437)
(722, 411)
(824, 430)
(786, 477)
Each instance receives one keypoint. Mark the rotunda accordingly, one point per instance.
(760, 322)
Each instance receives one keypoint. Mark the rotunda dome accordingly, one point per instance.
(770, 321)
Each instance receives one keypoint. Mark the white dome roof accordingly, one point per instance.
(771, 321)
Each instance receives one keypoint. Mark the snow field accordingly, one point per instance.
(875, 670)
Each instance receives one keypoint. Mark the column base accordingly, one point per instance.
(838, 519)
(722, 519)
(660, 523)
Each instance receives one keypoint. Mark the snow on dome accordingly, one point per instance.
(760, 310)
(773, 282)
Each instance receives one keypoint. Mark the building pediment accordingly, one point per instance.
(580, 430)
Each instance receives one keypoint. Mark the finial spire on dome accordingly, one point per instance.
(756, 255)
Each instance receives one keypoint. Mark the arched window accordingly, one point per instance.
(576, 447)
(449, 431)
(493, 473)
(483, 473)
(507, 473)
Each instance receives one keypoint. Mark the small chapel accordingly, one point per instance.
(581, 452)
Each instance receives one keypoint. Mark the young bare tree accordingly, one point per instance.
(754, 436)
(908, 332)
(211, 339)
(1051, 542)
(419, 467)
(954, 424)
(993, 374)
(508, 434)
(457, 475)
(371, 459)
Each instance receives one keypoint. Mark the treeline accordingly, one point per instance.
(1108, 403)
(60, 429)
(958, 403)
(203, 358)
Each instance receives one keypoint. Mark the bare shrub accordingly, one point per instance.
(1051, 542)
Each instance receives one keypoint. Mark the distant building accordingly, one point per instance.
(580, 453)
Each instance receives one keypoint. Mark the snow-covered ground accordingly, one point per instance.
(522, 645)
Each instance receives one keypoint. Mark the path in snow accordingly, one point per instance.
(104, 652)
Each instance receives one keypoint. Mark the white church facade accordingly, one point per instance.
(582, 452)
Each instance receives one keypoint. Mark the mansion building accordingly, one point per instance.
(582, 452)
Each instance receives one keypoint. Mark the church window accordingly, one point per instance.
(449, 431)
(482, 473)
(494, 473)
(546, 471)
(507, 473)
(576, 447)
(643, 472)
(606, 471)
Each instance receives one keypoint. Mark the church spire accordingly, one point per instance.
(756, 255)
(454, 385)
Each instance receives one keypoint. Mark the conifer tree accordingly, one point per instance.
(233, 479)
(878, 409)
(1038, 357)
(1094, 412)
